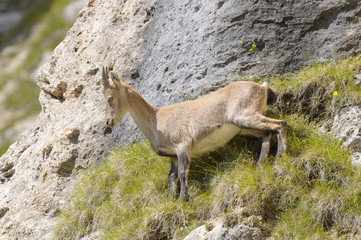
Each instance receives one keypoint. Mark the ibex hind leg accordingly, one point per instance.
(262, 123)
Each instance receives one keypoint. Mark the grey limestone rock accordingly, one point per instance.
(218, 232)
(347, 126)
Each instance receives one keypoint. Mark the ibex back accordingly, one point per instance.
(196, 126)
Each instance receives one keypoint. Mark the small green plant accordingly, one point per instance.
(254, 50)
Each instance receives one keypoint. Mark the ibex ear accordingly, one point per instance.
(116, 78)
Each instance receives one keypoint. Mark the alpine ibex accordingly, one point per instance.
(196, 126)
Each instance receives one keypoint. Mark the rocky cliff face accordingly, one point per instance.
(167, 50)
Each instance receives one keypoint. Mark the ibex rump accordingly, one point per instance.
(196, 126)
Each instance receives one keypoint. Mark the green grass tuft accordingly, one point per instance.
(314, 185)
(336, 76)
(320, 90)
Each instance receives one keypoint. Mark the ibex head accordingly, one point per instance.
(115, 94)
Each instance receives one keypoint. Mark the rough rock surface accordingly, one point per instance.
(169, 51)
(347, 126)
(216, 231)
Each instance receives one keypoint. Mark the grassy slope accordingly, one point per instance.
(25, 95)
(311, 192)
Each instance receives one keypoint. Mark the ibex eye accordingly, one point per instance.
(110, 99)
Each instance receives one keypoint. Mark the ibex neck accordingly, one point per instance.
(143, 114)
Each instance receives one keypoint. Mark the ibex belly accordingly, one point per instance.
(218, 138)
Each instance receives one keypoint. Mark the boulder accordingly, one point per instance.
(167, 50)
(347, 126)
(216, 231)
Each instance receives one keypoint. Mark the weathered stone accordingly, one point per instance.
(6, 172)
(167, 50)
(218, 232)
(3, 211)
(72, 134)
(356, 158)
(347, 126)
(357, 79)
(6, 167)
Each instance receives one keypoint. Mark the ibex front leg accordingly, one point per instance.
(262, 123)
(282, 139)
(183, 155)
(173, 178)
(266, 142)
